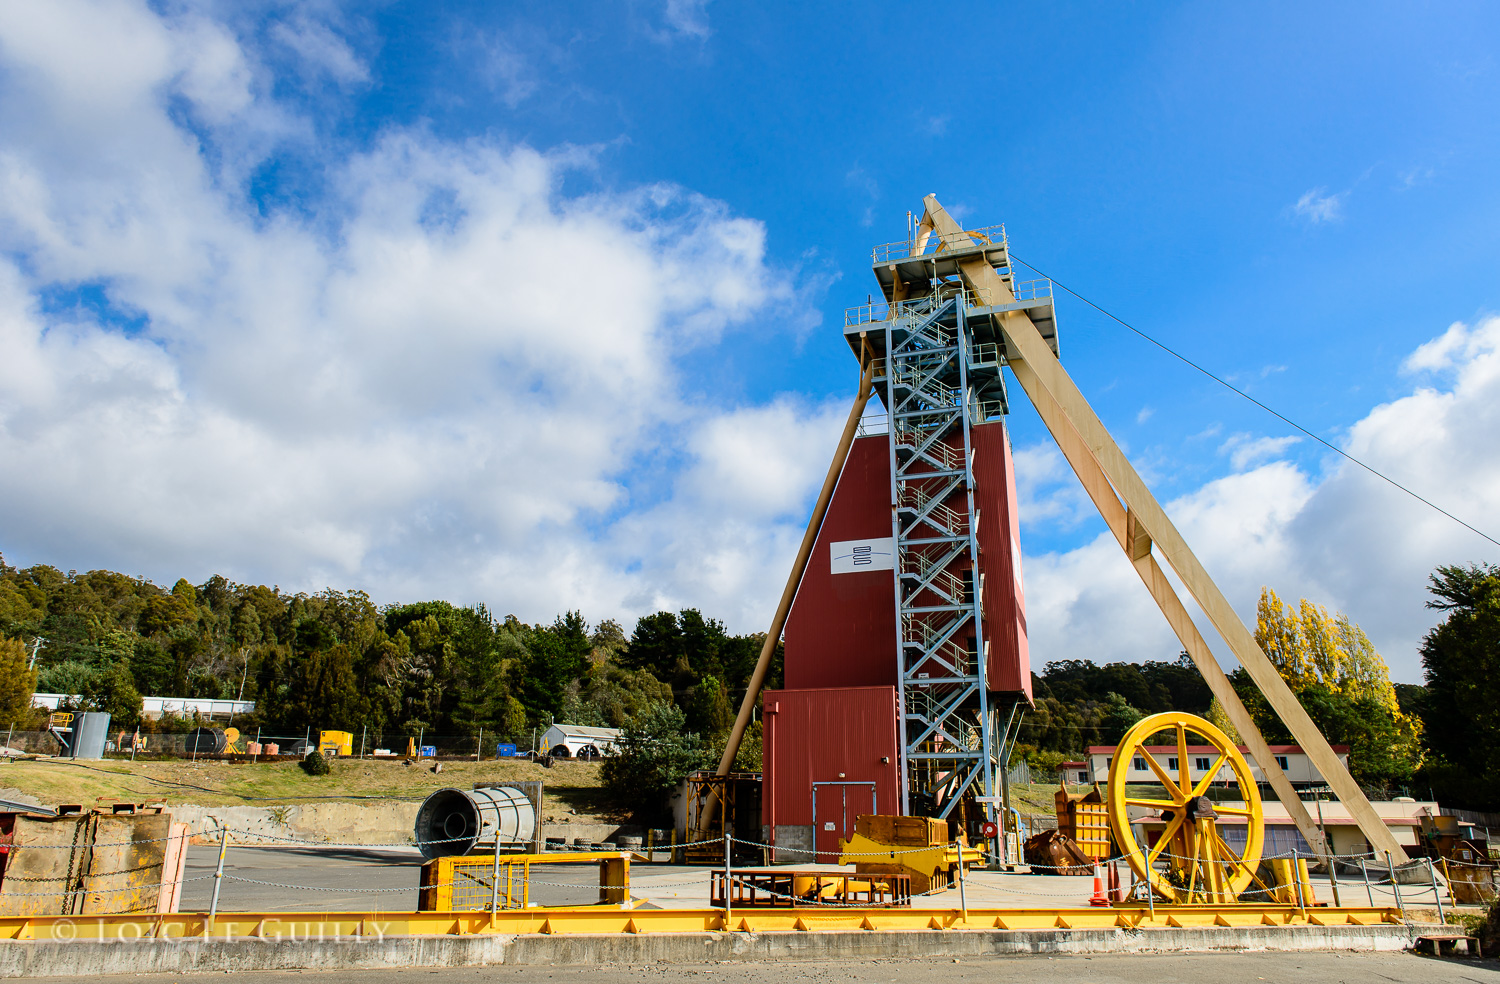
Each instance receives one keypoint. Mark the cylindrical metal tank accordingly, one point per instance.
(455, 821)
(205, 741)
(89, 734)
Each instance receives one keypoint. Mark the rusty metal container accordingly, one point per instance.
(127, 859)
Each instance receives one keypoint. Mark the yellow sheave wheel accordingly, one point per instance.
(1200, 866)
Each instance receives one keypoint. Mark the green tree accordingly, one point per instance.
(1119, 717)
(656, 753)
(708, 710)
(17, 683)
(512, 722)
(113, 691)
(1461, 660)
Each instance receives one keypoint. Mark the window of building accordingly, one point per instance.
(1138, 764)
(1201, 764)
(1171, 763)
(1083, 777)
(1281, 761)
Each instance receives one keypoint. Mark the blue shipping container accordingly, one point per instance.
(505, 751)
(429, 751)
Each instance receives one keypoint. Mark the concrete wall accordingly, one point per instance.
(371, 822)
(89, 960)
(794, 844)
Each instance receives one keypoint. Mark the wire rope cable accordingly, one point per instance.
(1275, 413)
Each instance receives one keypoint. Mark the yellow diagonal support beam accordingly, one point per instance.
(1025, 344)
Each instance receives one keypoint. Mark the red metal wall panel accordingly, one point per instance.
(1009, 667)
(815, 735)
(841, 631)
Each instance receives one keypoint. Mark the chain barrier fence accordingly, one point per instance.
(1418, 884)
(1380, 883)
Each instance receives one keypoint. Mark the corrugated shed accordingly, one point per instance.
(814, 735)
(841, 631)
(1009, 668)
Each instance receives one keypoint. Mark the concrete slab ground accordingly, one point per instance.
(292, 879)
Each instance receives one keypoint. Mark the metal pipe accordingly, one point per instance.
(1390, 866)
(1333, 875)
(794, 579)
(1364, 869)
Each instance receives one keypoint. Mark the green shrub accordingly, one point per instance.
(316, 765)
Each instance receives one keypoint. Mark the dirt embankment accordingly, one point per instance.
(572, 789)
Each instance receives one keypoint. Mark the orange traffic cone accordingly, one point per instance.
(1099, 897)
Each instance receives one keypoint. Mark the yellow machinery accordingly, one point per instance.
(1084, 818)
(915, 846)
(1200, 866)
(467, 883)
(336, 743)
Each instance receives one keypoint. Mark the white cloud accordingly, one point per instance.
(684, 19)
(1318, 206)
(447, 380)
(1348, 541)
(1245, 450)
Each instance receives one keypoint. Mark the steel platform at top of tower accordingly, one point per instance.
(925, 267)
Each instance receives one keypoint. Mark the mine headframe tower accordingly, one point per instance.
(936, 353)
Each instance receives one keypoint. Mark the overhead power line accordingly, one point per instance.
(1277, 414)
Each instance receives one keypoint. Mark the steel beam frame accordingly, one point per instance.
(930, 380)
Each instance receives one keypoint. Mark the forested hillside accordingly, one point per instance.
(336, 660)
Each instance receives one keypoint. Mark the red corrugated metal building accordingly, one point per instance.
(840, 639)
(836, 745)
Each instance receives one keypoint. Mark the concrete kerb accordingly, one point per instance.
(94, 959)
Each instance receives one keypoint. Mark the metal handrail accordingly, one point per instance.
(915, 498)
(952, 459)
(906, 248)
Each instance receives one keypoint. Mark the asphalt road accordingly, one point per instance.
(1196, 968)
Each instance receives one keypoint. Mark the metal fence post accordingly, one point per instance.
(1364, 869)
(963, 899)
(728, 870)
(1333, 876)
(1390, 866)
(495, 878)
(1432, 874)
(213, 905)
(1297, 883)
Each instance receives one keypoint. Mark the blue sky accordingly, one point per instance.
(539, 304)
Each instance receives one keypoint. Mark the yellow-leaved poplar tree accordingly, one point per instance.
(1311, 647)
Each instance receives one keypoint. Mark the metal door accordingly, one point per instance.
(835, 806)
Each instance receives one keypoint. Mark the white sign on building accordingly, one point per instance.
(851, 556)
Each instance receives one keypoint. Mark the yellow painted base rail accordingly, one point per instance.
(308, 926)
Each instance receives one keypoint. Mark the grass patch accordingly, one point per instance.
(571, 789)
